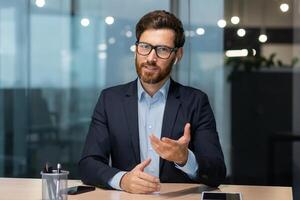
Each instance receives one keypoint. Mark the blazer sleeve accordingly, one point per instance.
(206, 146)
(94, 163)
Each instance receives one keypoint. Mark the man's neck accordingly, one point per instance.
(151, 89)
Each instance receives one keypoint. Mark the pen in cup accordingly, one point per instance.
(58, 195)
(48, 169)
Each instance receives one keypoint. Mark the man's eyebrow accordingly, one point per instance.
(159, 45)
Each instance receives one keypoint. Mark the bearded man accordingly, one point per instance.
(153, 130)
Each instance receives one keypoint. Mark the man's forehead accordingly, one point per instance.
(158, 36)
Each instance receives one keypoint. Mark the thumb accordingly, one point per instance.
(143, 164)
(186, 134)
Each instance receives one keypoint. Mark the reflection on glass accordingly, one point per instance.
(132, 48)
(85, 22)
(111, 40)
(109, 20)
(200, 31)
(128, 34)
(102, 47)
(102, 55)
(222, 23)
(40, 3)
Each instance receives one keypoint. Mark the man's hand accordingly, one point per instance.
(137, 181)
(173, 150)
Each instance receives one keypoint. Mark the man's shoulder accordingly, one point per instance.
(121, 89)
(189, 91)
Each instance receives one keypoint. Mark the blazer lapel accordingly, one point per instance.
(131, 111)
(170, 113)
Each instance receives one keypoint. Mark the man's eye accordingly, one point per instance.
(163, 49)
(145, 46)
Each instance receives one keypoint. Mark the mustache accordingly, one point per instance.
(149, 63)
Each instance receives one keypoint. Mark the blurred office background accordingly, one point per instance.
(57, 55)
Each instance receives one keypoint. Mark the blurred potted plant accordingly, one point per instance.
(255, 63)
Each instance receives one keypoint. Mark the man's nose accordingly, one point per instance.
(152, 55)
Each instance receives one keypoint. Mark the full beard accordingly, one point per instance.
(152, 77)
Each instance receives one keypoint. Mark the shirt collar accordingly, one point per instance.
(163, 90)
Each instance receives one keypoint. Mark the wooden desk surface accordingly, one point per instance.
(31, 189)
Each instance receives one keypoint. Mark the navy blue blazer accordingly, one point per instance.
(114, 134)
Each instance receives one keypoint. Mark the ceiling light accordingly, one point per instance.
(40, 3)
(85, 22)
(111, 40)
(241, 32)
(102, 55)
(235, 20)
(192, 33)
(237, 53)
(128, 34)
(263, 38)
(109, 20)
(132, 48)
(102, 47)
(222, 23)
(200, 31)
(284, 7)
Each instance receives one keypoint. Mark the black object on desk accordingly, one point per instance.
(80, 189)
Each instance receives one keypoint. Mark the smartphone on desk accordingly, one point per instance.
(80, 189)
(221, 196)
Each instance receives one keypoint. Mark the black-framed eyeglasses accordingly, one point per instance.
(161, 51)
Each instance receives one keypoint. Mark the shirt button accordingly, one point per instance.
(149, 126)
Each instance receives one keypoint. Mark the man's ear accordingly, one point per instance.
(179, 54)
(175, 62)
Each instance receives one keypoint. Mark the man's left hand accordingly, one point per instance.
(173, 150)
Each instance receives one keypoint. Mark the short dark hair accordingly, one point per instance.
(160, 19)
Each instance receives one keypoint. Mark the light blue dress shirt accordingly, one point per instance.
(150, 116)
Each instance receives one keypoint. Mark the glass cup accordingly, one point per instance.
(55, 185)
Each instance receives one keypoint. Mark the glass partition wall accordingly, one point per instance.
(57, 56)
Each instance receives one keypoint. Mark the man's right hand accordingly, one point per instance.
(139, 182)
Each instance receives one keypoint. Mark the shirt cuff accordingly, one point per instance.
(115, 181)
(190, 167)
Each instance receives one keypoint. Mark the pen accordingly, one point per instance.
(58, 195)
(48, 169)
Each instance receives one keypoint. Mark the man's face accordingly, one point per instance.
(150, 68)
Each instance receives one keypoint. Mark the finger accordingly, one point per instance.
(186, 134)
(137, 188)
(154, 139)
(142, 182)
(143, 164)
(157, 149)
(148, 177)
(169, 141)
(161, 152)
(157, 145)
